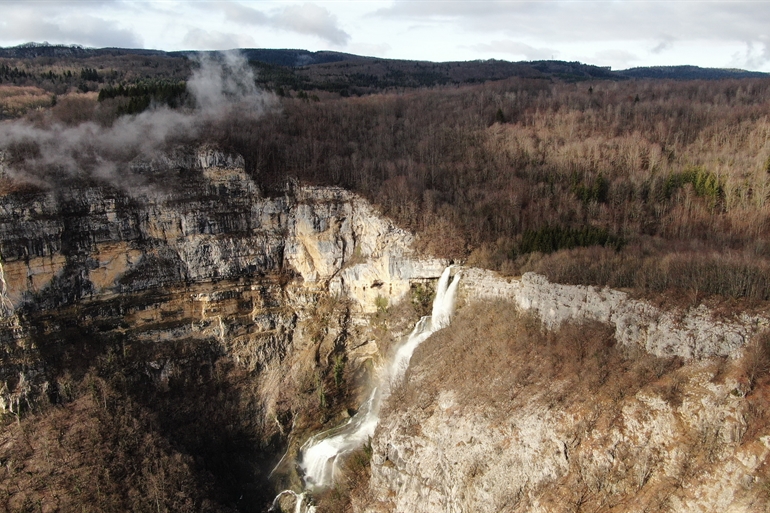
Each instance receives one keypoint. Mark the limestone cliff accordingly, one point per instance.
(468, 457)
(167, 287)
(653, 419)
(231, 318)
(689, 333)
(212, 259)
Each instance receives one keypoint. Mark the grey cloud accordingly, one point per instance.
(753, 58)
(99, 32)
(621, 57)
(516, 48)
(223, 83)
(370, 49)
(314, 20)
(54, 4)
(596, 20)
(664, 45)
(239, 13)
(27, 24)
(308, 18)
(422, 9)
(199, 39)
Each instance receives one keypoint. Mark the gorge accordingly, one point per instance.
(221, 298)
(283, 300)
(320, 453)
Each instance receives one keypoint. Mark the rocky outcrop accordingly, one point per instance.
(689, 333)
(205, 258)
(677, 444)
(457, 456)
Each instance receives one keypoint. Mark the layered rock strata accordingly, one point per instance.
(209, 258)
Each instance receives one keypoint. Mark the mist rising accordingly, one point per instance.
(51, 154)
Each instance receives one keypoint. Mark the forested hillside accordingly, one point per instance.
(566, 169)
(665, 184)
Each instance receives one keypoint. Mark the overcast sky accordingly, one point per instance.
(617, 33)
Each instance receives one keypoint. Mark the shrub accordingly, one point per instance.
(705, 183)
(756, 359)
(381, 303)
(553, 238)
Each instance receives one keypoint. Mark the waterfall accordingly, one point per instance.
(320, 454)
(299, 499)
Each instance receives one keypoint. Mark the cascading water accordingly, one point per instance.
(320, 454)
(299, 499)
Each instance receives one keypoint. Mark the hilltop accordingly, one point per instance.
(344, 73)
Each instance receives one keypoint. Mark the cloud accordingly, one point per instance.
(666, 44)
(755, 56)
(309, 19)
(223, 87)
(24, 23)
(619, 57)
(423, 9)
(199, 39)
(61, 3)
(314, 20)
(589, 20)
(226, 83)
(516, 48)
(238, 13)
(370, 49)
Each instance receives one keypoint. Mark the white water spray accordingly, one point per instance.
(320, 454)
(299, 499)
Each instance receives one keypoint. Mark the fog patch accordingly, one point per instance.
(221, 86)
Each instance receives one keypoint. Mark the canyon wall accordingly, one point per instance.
(275, 283)
(461, 455)
(171, 280)
(687, 332)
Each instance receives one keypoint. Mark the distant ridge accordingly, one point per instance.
(32, 50)
(689, 73)
(295, 58)
(365, 71)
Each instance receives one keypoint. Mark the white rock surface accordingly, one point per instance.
(456, 456)
(472, 457)
(692, 333)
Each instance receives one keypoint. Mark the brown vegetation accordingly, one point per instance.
(502, 362)
(16, 101)
(118, 436)
(651, 169)
(577, 364)
(682, 171)
(99, 453)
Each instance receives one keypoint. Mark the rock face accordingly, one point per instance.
(692, 333)
(678, 444)
(207, 259)
(458, 456)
